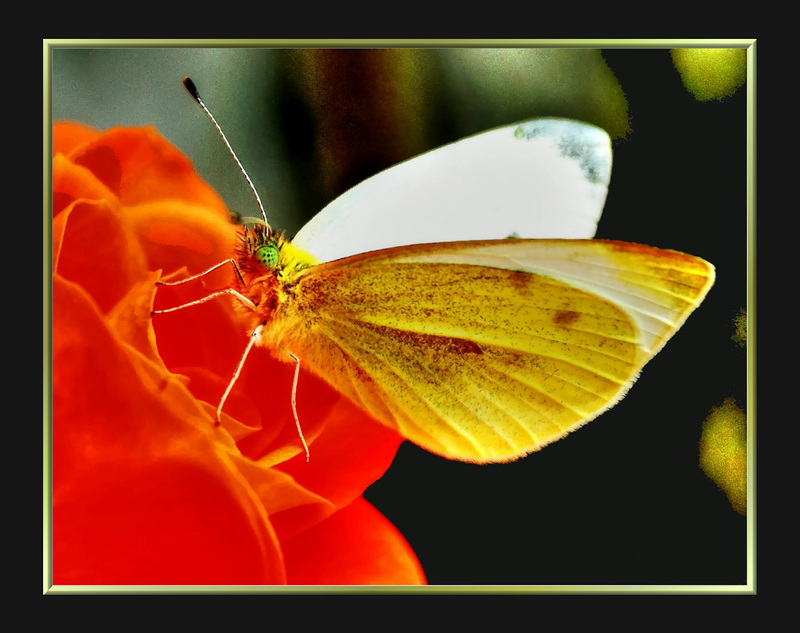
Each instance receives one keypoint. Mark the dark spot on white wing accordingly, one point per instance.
(592, 164)
(576, 146)
(532, 129)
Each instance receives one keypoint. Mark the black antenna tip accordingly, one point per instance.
(191, 88)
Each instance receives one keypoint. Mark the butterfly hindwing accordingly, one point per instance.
(485, 351)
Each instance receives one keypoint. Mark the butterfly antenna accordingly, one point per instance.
(196, 96)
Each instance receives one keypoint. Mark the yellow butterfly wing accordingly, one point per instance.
(486, 351)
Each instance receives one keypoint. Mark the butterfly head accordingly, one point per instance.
(264, 251)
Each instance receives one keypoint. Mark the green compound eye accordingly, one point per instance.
(268, 256)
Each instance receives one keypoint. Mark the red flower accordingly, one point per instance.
(146, 489)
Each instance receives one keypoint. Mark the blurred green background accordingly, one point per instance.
(308, 124)
(622, 500)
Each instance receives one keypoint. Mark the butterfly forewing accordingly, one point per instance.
(543, 178)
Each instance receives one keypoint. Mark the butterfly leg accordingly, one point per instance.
(232, 262)
(227, 291)
(294, 403)
(253, 338)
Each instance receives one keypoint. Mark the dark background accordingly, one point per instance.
(622, 501)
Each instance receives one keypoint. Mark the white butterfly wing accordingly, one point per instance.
(544, 178)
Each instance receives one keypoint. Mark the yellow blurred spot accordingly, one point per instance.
(369, 107)
(711, 73)
(723, 452)
(498, 85)
(740, 334)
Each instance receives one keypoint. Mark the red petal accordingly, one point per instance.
(68, 135)
(139, 165)
(355, 546)
(98, 252)
(143, 489)
(351, 453)
(146, 490)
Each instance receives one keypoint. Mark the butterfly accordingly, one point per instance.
(420, 295)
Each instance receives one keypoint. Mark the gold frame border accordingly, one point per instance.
(749, 44)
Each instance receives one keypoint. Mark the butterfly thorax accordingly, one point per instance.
(269, 266)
